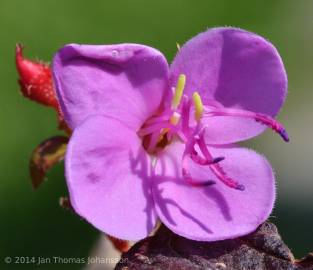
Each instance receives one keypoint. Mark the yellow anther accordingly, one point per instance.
(178, 46)
(175, 118)
(198, 105)
(179, 91)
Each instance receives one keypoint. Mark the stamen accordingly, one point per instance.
(169, 132)
(175, 118)
(153, 141)
(187, 176)
(154, 128)
(217, 169)
(203, 161)
(198, 105)
(258, 117)
(179, 91)
(192, 153)
(185, 116)
(273, 124)
(192, 182)
(158, 119)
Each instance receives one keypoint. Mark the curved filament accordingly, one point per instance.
(258, 117)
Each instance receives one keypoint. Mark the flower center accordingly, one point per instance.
(158, 131)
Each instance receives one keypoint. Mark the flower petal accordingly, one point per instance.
(125, 81)
(107, 173)
(213, 212)
(233, 68)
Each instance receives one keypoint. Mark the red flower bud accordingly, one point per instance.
(35, 80)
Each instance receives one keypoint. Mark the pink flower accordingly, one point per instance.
(157, 142)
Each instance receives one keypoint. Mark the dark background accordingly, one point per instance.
(32, 223)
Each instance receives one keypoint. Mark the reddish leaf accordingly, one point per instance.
(45, 156)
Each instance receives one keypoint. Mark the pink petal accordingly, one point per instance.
(214, 212)
(107, 173)
(125, 81)
(236, 69)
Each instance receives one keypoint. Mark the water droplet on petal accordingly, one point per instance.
(114, 53)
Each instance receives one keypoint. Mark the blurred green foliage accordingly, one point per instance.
(32, 223)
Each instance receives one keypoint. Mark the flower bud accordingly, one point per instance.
(35, 80)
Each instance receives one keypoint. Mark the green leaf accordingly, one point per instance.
(45, 155)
